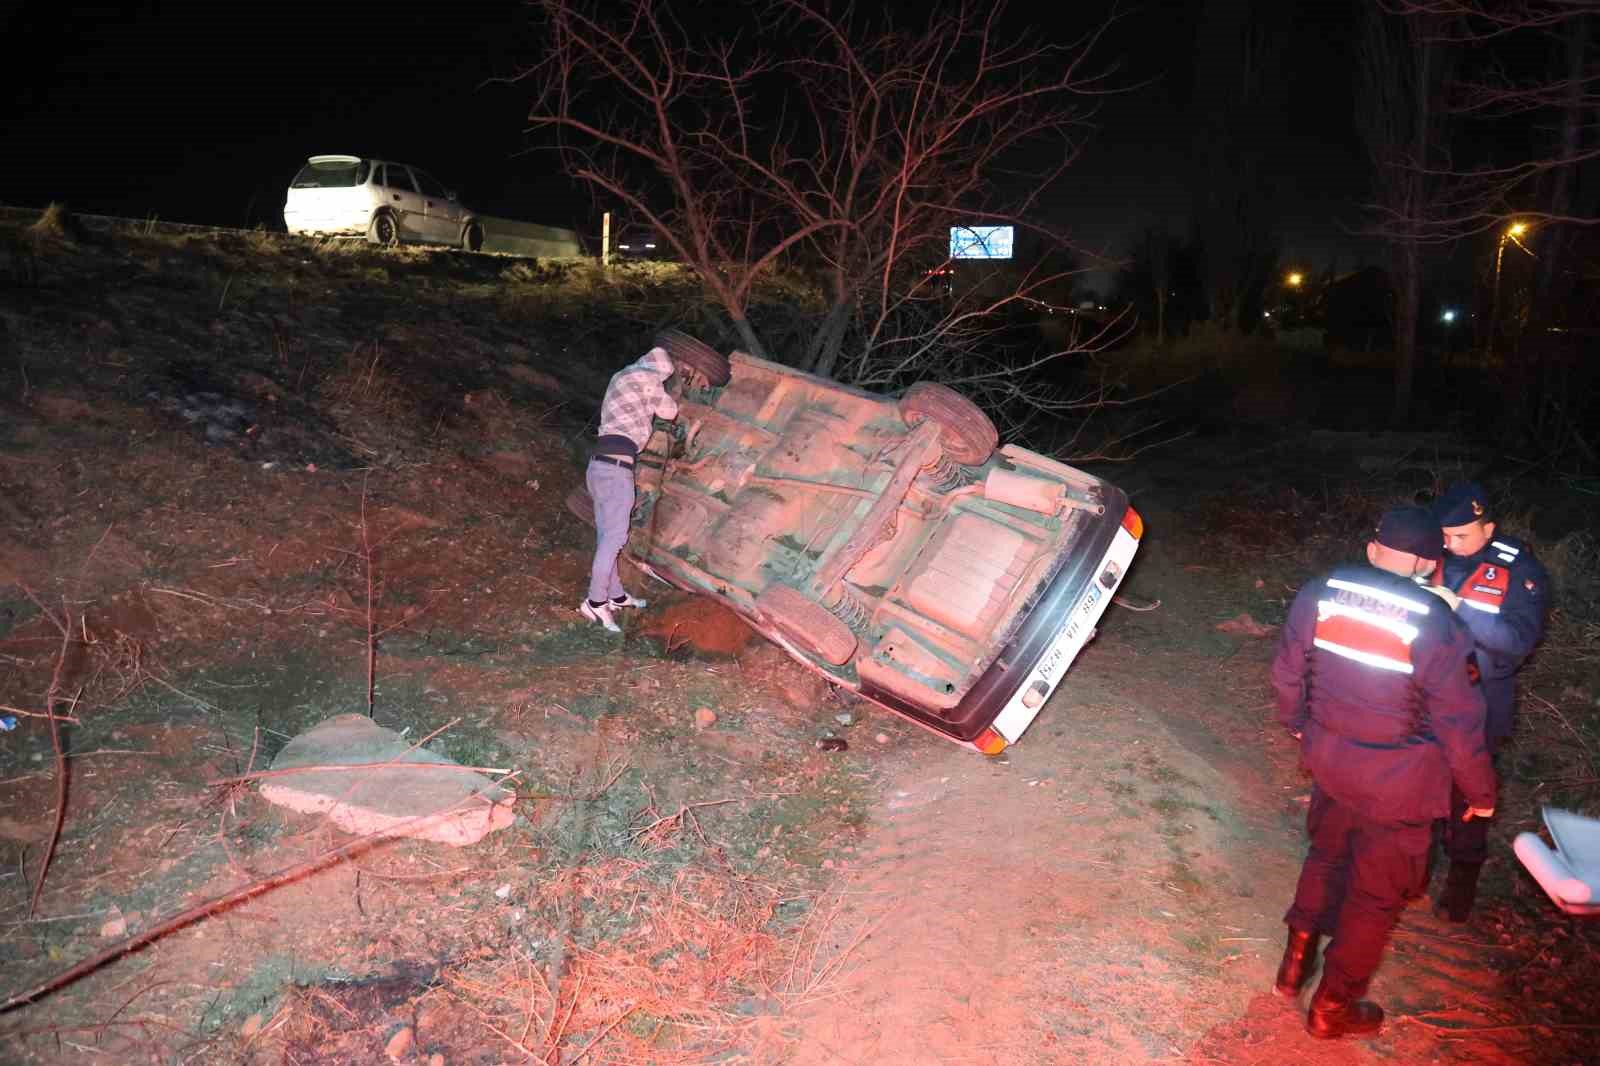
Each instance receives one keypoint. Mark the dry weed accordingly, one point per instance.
(56, 222)
(686, 969)
(363, 381)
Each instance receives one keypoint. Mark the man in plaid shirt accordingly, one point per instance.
(636, 395)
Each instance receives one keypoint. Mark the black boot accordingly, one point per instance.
(1332, 1017)
(1295, 967)
(1460, 892)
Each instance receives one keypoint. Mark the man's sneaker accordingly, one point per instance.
(626, 600)
(601, 614)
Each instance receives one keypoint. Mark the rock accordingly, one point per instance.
(845, 719)
(399, 1045)
(882, 738)
(1246, 626)
(451, 807)
(800, 688)
(503, 892)
(115, 926)
(251, 1026)
(436, 1059)
(704, 717)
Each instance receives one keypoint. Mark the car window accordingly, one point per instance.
(430, 185)
(339, 175)
(399, 178)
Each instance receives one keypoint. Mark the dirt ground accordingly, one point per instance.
(224, 463)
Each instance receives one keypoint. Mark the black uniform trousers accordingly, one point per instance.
(1357, 878)
(1467, 842)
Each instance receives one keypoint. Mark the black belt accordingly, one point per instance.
(626, 464)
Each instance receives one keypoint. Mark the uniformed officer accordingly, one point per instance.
(1371, 675)
(1501, 592)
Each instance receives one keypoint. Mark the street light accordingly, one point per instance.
(1295, 279)
(1512, 232)
(1449, 316)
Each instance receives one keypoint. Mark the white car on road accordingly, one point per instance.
(386, 202)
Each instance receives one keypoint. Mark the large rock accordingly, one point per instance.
(450, 806)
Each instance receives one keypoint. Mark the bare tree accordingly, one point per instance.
(1537, 186)
(855, 148)
(1399, 108)
(1535, 196)
(1237, 118)
(640, 112)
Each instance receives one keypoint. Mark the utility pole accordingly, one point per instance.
(605, 239)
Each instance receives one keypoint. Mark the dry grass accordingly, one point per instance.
(56, 222)
(364, 381)
(683, 969)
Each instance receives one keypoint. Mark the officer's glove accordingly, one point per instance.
(1444, 594)
(1477, 812)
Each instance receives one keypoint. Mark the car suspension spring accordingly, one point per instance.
(851, 611)
(945, 474)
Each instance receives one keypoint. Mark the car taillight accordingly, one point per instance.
(990, 743)
(1133, 523)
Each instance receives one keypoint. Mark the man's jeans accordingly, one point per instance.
(611, 488)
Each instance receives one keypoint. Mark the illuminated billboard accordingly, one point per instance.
(980, 242)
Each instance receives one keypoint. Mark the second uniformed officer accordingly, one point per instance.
(1371, 675)
(1501, 593)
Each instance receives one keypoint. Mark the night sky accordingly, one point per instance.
(201, 112)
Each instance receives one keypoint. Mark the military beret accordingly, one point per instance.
(1411, 530)
(1463, 502)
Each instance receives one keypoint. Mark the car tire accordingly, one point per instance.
(472, 237)
(581, 504)
(383, 229)
(965, 432)
(696, 355)
(806, 624)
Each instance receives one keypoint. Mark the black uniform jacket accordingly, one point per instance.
(1372, 672)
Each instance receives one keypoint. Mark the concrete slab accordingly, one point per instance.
(455, 807)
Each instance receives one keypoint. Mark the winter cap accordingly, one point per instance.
(1463, 502)
(1411, 530)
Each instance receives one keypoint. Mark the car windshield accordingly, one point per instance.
(340, 175)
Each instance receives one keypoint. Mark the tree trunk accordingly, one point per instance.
(826, 345)
(1408, 255)
(747, 336)
(1551, 292)
(1408, 297)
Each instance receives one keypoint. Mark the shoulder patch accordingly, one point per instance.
(1530, 584)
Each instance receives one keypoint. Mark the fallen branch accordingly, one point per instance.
(52, 694)
(227, 899)
(37, 714)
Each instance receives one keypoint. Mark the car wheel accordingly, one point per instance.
(581, 504)
(472, 237)
(696, 355)
(384, 230)
(965, 432)
(806, 624)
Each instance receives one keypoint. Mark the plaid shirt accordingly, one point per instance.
(637, 393)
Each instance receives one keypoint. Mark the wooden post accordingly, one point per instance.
(605, 239)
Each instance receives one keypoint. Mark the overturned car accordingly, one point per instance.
(887, 544)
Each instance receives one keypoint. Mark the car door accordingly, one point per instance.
(400, 195)
(443, 213)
